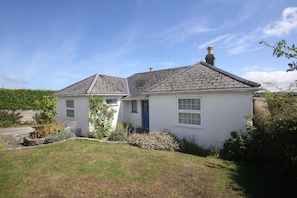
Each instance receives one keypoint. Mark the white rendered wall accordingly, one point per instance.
(133, 118)
(81, 113)
(221, 113)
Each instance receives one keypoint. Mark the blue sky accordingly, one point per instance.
(53, 44)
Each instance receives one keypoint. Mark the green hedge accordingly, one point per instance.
(21, 99)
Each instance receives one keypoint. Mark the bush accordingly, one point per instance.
(62, 135)
(280, 124)
(46, 130)
(161, 140)
(8, 119)
(252, 146)
(189, 145)
(119, 134)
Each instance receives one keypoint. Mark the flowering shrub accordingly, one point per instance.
(161, 140)
(101, 116)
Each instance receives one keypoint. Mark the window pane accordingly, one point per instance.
(189, 118)
(112, 101)
(70, 113)
(134, 106)
(70, 103)
(189, 104)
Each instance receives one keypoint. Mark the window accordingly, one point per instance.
(70, 108)
(70, 113)
(134, 106)
(189, 111)
(112, 101)
(69, 103)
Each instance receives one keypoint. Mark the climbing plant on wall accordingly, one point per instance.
(101, 116)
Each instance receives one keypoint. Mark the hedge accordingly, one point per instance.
(21, 99)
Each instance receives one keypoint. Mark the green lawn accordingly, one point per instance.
(84, 168)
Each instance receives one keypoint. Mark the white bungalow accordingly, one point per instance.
(200, 101)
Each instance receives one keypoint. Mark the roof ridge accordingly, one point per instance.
(127, 84)
(92, 84)
(235, 77)
(158, 70)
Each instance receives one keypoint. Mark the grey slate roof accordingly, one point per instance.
(200, 76)
(96, 84)
(142, 81)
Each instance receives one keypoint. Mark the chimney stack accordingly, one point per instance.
(151, 68)
(210, 58)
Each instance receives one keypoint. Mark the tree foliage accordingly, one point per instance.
(275, 136)
(280, 123)
(48, 105)
(282, 49)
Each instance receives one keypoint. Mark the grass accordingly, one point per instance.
(84, 168)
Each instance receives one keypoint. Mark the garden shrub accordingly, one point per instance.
(119, 134)
(189, 145)
(9, 118)
(46, 129)
(251, 146)
(280, 124)
(61, 135)
(161, 140)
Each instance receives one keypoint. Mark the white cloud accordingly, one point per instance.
(281, 78)
(14, 79)
(235, 43)
(223, 38)
(287, 23)
(179, 32)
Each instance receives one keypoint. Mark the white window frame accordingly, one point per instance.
(188, 111)
(70, 108)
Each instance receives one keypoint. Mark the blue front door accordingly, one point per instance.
(145, 113)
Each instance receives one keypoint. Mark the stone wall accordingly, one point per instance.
(27, 114)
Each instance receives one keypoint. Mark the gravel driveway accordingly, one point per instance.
(13, 137)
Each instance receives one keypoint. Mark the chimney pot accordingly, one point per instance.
(210, 58)
(151, 68)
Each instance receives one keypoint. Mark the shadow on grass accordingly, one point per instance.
(255, 179)
(269, 180)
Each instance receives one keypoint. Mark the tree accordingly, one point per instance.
(48, 105)
(282, 49)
